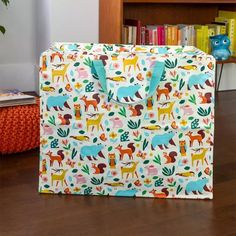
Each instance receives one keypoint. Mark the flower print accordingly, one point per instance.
(113, 135)
(65, 142)
(99, 189)
(185, 161)
(44, 141)
(80, 125)
(44, 178)
(136, 133)
(76, 189)
(147, 181)
(116, 65)
(45, 76)
(170, 180)
(151, 115)
(113, 173)
(149, 74)
(183, 122)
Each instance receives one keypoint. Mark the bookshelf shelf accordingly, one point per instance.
(113, 12)
(181, 1)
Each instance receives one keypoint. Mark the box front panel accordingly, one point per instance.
(161, 147)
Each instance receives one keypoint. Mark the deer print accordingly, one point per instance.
(94, 122)
(129, 170)
(59, 177)
(166, 111)
(131, 62)
(199, 156)
(60, 73)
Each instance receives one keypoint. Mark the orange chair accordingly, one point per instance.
(19, 128)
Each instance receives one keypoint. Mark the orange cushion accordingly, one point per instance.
(19, 128)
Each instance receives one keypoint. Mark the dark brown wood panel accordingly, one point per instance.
(23, 211)
(171, 13)
(182, 1)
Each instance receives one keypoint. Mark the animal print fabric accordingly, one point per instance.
(161, 147)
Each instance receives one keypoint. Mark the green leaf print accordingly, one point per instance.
(181, 84)
(97, 181)
(74, 153)
(179, 189)
(110, 95)
(171, 64)
(192, 99)
(63, 133)
(88, 62)
(51, 120)
(134, 125)
(85, 169)
(168, 171)
(159, 182)
(76, 64)
(204, 112)
(145, 144)
(157, 159)
(124, 137)
(122, 112)
(118, 72)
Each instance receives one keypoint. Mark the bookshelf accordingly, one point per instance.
(113, 12)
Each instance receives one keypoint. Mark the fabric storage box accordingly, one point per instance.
(124, 120)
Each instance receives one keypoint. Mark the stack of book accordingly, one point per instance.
(181, 34)
(13, 97)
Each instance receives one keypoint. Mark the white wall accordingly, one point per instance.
(74, 20)
(32, 25)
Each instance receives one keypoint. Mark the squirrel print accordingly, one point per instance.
(170, 158)
(65, 120)
(136, 110)
(99, 169)
(206, 98)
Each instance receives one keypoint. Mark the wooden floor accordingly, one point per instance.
(25, 212)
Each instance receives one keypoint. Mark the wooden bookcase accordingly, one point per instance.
(113, 12)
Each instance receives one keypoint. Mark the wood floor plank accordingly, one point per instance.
(23, 211)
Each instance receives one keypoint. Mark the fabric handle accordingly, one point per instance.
(157, 72)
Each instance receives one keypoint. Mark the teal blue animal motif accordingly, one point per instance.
(220, 47)
(126, 193)
(198, 185)
(199, 80)
(161, 140)
(57, 102)
(128, 92)
(91, 151)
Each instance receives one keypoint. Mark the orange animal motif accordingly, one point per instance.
(182, 146)
(59, 177)
(199, 137)
(91, 102)
(77, 111)
(53, 55)
(129, 151)
(206, 98)
(129, 170)
(60, 73)
(199, 156)
(131, 62)
(166, 91)
(59, 157)
(163, 194)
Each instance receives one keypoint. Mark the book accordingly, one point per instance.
(136, 30)
(231, 18)
(14, 97)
